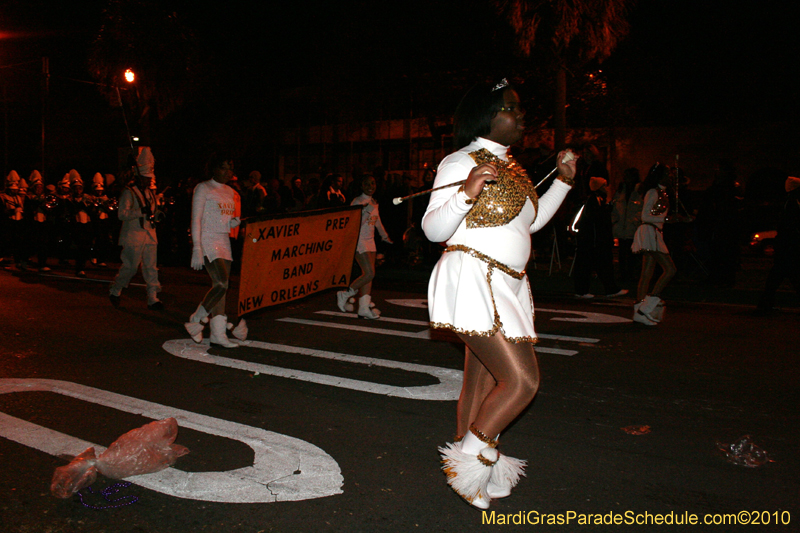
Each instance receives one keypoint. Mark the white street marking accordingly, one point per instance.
(96, 280)
(426, 323)
(420, 303)
(594, 318)
(425, 334)
(587, 317)
(447, 389)
(273, 476)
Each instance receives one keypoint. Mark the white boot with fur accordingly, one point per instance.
(640, 317)
(658, 312)
(219, 336)
(196, 324)
(343, 300)
(240, 331)
(505, 476)
(648, 306)
(469, 471)
(365, 309)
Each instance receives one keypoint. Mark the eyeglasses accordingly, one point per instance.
(513, 108)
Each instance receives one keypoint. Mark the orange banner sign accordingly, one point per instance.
(286, 257)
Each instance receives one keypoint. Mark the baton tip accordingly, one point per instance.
(397, 201)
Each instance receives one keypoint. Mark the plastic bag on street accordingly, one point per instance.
(80, 472)
(144, 450)
(744, 452)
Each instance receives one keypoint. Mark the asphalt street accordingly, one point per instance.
(324, 422)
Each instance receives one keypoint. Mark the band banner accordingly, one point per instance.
(286, 257)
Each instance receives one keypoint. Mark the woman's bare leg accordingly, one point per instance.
(214, 300)
(648, 269)
(669, 271)
(363, 283)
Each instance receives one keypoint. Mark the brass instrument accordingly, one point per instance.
(157, 217)
(50, 202)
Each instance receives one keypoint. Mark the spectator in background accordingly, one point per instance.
(787, 248)
(298, 195)
(330, 193)
(725, 204)
(253, 195)
(625, 218)
(595, 243)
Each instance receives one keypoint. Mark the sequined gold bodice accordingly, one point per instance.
(500, 202)
(662, 204)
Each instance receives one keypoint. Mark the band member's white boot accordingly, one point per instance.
(196, 324)
(219, 336)
(365, 310)
(658, 312)
(240, 331)
(468, 472)
(342, 300)
(505, 476)
(649, 305)
(640, 317)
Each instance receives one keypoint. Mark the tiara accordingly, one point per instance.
(503, 83)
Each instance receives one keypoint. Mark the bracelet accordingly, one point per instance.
(468, 201)
(569, 181)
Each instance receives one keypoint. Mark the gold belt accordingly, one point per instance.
(486, 259)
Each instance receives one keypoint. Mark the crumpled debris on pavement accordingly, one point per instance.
(744, 452)
(144, 450)
(636, 430)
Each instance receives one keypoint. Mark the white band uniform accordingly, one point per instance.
(648, 237)
(218, 201)
(471, 290)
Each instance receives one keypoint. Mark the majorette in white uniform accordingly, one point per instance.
(479, 285)
(648, 236)
(213, 207)
(370, 221)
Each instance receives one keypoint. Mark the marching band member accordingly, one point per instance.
(39, 208)
(80, 222)
(365, 253)
(13, 203)
(102, 222)
(137, 207)
(215, 212)
(649, 241)
(479, 290)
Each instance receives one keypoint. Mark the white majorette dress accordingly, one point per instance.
(479, 285)
(213, 206)
(648, 236)
(370, 221)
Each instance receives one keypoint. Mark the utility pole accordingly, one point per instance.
(45, 93)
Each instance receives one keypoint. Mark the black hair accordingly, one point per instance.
(653, 178)
(475, 112)
(215, 161)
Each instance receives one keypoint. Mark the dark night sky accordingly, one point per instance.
(683, 62)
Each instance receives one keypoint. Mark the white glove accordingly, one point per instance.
(235, 221)
(197, 258)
